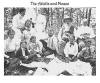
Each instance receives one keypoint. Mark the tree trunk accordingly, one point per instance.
(89, 17)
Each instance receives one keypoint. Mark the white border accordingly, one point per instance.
(47, 79)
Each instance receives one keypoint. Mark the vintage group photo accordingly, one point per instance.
(49, 41)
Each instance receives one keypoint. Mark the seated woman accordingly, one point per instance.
(86, 50)
(11, 44)
(87, 53)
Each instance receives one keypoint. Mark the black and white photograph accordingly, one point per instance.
(49, 41)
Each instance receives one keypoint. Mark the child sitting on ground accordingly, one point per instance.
(35, 47)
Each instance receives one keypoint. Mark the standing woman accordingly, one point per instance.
(40, 26)
(19, 23)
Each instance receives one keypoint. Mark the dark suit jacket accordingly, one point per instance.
(19, 54)
(47, 51)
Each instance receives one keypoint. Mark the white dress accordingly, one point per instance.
(30, 13)
(18, 22)
(40, 27)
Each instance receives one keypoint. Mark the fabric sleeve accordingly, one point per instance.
(66, 50)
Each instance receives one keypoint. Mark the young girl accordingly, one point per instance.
(35, 46)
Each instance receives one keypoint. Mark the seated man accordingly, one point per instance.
(50, 46)
(71, 48)
(52, 41)
(22, 52)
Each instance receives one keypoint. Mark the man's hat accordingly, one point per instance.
(67, 20)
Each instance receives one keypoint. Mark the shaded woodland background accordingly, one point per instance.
(55, 16)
